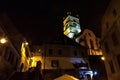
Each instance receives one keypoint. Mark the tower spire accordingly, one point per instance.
(68, 13)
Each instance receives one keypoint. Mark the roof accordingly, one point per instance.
(66, 77)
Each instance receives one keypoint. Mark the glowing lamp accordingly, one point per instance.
(3, 40)
(102, 58)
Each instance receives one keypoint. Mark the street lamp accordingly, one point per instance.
(103, 58)
(3, 40)
(26, 43)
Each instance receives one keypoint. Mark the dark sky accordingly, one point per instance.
(41, 20)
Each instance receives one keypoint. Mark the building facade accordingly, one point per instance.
(11, 58)
(89, 40)
(111, 40)
(60, 59)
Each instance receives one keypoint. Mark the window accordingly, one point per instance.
(67, 21)
(91, 44)
(75, 53)
(16, 63)
(74, 25)
(106, 47)
(114, 12)
(12, 58)
(118, 60)
(112, 67)
(114, 39)
(74, 20)
(107, 25)
(89, 34)
(82, 54)
(7, 53)
(54, 63)
(59, 51)
(50, 51)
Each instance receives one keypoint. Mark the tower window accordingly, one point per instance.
(74, 25)
(74, 20)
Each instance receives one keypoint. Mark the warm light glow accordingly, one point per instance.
(26, 43)
(23, 50)
(34, 60)
(3, 40)
(103, 58)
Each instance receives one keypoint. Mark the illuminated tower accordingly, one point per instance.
(71, 27)
(72, 30)
(88, 39)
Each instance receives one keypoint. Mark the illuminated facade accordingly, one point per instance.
(66, 58)
(10, 52)
(111, 39)
(89, 40)
(25, 57)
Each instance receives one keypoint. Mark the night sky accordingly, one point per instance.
(42, 20)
